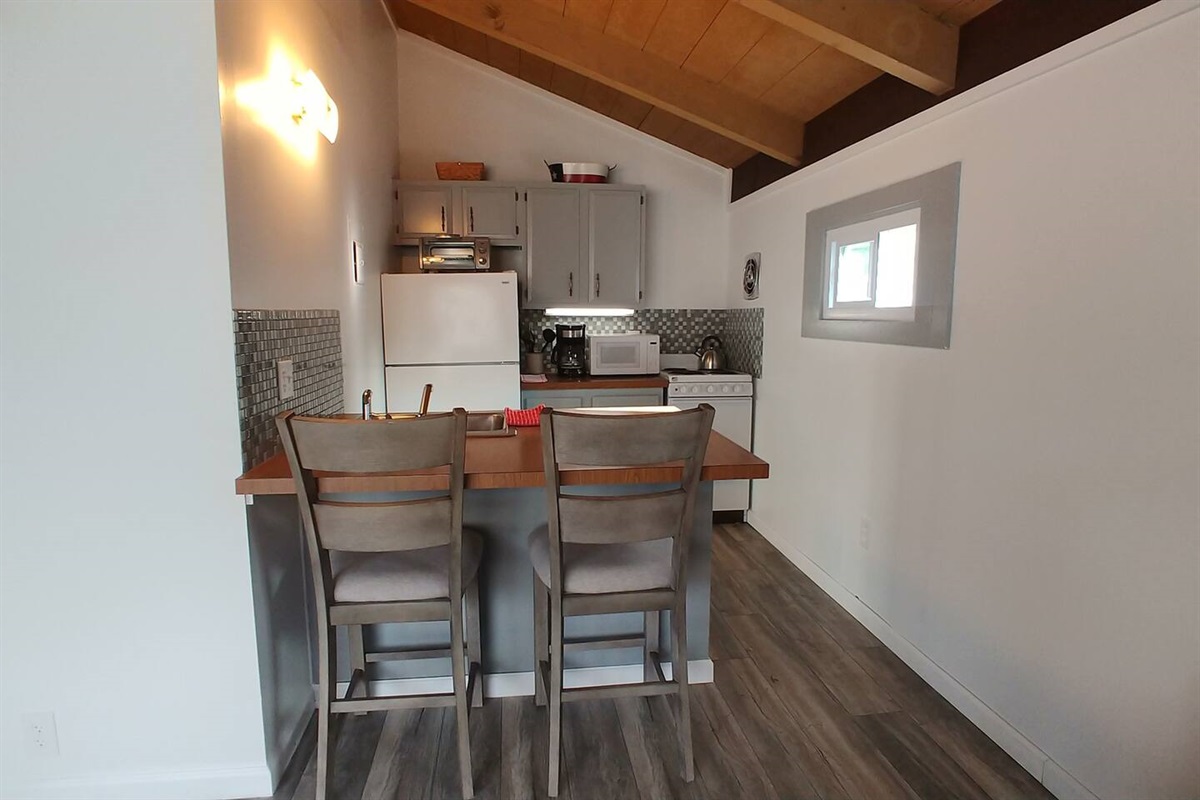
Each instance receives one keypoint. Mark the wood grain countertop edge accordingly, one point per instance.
(512, 462)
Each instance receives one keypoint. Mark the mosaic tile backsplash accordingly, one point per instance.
(680, 329)
(312, 340)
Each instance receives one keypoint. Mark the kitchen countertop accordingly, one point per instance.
(558, 383)
(508, 462)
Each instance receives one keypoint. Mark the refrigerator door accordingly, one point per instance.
(482, 387)
(448, 318)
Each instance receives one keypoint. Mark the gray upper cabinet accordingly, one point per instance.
(616, 232)
(456, 208)
(423, 211)
(554, 248)
(586, 246)
(491, 211)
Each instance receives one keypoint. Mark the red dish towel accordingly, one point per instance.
(523, 417)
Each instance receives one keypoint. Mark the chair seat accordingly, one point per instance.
(605, 568)
(404, 575)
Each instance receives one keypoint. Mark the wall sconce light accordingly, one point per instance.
(314, 107)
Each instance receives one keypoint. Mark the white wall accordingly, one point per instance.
(1032, 491)
(292, 217)
(456, 109)
(124, 584)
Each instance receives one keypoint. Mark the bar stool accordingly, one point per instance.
(387, 561)
(612, 553)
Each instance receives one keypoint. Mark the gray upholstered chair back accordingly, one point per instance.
(614, 441)
(318, 444)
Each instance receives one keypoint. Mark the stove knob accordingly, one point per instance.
(725, 389)
(695, 390)
(711, 388)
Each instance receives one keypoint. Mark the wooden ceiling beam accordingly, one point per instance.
(892, 35)
(589, 52)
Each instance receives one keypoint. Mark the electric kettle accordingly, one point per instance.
(711, 354)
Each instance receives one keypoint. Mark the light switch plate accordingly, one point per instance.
(359, 262)
(287, 379)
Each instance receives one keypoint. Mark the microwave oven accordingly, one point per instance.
(623, 354)
(446, 254)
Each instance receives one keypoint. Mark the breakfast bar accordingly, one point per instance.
(505, 500)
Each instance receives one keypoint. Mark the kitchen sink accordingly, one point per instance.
(483, 423)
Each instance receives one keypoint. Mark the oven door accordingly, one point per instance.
(618, 356)
(734, 420)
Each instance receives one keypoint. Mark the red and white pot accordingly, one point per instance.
(581, 172)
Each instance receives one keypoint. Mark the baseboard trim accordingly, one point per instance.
(1032, 758)
(520, 684)
(201, 784)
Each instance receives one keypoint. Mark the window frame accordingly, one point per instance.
(868, 230)
(936, 195)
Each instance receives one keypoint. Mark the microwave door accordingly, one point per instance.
(618, 357)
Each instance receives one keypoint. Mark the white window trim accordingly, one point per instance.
(864, 232)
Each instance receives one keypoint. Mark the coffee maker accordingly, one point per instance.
(569, 349)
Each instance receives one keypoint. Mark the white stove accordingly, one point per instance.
(708, 383)
(731, 394)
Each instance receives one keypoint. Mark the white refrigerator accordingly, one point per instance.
(457, 331)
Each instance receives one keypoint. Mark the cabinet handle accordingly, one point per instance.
(471, 211)
(571, 284)
(443, 219)
(597, 285)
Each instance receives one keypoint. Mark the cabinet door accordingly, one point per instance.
(615, 236)
(552, 244)
(424, 211)
(491, 211)
(648, 397)
(553, 400)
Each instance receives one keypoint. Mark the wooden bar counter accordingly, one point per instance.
(506, 462)
(505, 500)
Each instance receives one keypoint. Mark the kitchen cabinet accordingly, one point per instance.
(591, 398)
(491, 211)
(423, 211)
(456, 208)
(553, 248)
(586, 246)
(616, 231)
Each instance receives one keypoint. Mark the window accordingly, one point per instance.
(871, 268)
(879, 267)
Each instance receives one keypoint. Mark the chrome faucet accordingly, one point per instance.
(366, 404)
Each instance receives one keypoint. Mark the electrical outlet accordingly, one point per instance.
(864, 534)
(41, 736)
(359, 262)
(287, 379)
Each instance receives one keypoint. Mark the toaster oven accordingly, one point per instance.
(445, 254)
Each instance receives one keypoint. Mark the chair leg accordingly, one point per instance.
(460, 700)
(680, 674)
(556, 681)
(651, 634)
(358, 660)
(326, 734)
(474, 646)
(541, 629)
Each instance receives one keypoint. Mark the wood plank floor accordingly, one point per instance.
(806, 703)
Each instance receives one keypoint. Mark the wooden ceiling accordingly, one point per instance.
(723, 79)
